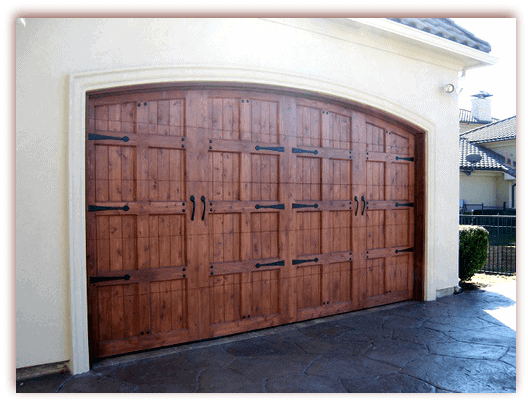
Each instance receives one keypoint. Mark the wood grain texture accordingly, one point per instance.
(247, 259)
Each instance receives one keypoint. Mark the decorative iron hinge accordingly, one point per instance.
(404, 159)
(300, 150)
(278, 149)
(404, 250)
(103, 208)
(304, 261)
(278, 263)
(275, 206)
(94, 280)
(404, 204)
(93, 136)
(297, 205)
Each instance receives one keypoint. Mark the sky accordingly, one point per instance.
(499, 79)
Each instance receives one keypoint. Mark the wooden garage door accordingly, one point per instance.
(218, 211)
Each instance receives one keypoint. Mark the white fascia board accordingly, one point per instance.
(472, 58)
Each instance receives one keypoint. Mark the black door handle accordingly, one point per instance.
(203, 212)
(357, 205)
(364, 204)
(194, 207)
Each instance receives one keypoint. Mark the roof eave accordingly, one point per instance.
(469, 58)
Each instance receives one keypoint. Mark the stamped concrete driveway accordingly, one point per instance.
(459, 343)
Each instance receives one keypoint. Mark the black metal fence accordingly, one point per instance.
(502, 240)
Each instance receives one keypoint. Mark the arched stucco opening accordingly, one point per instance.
(82, 83)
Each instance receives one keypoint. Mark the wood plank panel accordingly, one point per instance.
(231, 268)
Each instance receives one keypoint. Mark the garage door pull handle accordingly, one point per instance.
(404, 250)
(194, 207)
(103, 208)
(357, 205)
(404, 159)
(279, 263)
(364, 204)
(296, 205)
(278, 149)
(203, 212)
(94, 280)
(276, 206)
(93, 136)
(300, 150)
(304, 261)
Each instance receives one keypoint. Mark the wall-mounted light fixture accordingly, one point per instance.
(449, 88)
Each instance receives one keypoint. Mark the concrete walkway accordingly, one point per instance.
(459, 343)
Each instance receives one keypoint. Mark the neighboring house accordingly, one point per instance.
(257, 171)
(492, 180)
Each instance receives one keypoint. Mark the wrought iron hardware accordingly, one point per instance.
(275, 206)
(404, 159)
(278, 263)
(279, 149)
(103, 208)
(404, 204)
(304, 261)
(203, 213)
(300, 150)
(194, 207)
(94, 280)
(296, 205)
(404, 250)
(94, 136)
(357, 205)
(364, 204)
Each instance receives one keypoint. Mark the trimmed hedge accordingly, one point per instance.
(472, 250)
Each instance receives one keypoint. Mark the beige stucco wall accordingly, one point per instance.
(340, 56)
(503, 148)
(486, 187)
(479, 187)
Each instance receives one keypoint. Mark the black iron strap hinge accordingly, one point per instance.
(297, 205)
(404, 204)
(103, 208)
(404, 159)
(304, 261)
(404, 250)
(278, 149)
(94, 280)
(300, 150)
(275, 206)
(278, 263)
(93, 136)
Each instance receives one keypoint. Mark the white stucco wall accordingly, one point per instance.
(387, 70)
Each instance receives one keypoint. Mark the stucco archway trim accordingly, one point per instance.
(82, 82)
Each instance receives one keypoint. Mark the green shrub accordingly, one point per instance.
(472, 250)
